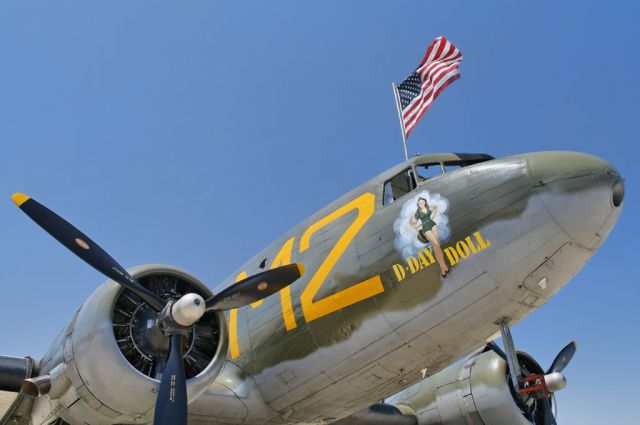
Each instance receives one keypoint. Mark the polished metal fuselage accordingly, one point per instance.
(534, 220)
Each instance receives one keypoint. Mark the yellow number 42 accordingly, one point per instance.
(314, 309)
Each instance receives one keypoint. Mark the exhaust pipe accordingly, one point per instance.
(55, 383)
(37, 386)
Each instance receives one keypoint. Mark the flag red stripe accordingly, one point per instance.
(444, 86)
(409, 124)
(437, 71)
(447, 58)
(432, 73)
(428, 68)
(429, 49)
(408, 110)
(428, 93)
(430, 96)
(432, 53)
(443, 43)
(428, 85)
(438, 57)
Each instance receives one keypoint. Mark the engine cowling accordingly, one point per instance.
(476, 391)
(107, 363)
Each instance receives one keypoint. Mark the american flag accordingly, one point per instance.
(438, 69)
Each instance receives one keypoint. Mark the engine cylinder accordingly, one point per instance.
(114, 352)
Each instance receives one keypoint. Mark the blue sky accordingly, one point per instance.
(160, 128)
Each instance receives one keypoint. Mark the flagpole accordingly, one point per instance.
(399, 108)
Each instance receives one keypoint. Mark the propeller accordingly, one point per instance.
(553, 379)
(171, 403)
(176, 316)
(255, 288)
(85, 248)
(563, 358)
(544, 413)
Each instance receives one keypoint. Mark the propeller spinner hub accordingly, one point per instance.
(555, 381)
(188, 309)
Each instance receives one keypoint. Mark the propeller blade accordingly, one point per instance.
(563, 358)
(85, 248)
(256, 287)
(544, 413)
(171, 403)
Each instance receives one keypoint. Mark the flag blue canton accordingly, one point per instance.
(409, 89)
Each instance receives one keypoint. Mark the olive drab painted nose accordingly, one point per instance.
(583, 193)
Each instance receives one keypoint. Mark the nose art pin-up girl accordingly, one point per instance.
(427, 229)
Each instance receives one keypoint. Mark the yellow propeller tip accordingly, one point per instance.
(19, 198)
(300, 268)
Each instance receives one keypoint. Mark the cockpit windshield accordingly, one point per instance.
(441, 164)
(425, 168)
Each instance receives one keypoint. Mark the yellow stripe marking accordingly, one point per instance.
(233, 325)
(19, 198)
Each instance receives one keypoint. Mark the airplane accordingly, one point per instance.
(381, 308)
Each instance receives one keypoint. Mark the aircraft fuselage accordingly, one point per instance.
(373, 313)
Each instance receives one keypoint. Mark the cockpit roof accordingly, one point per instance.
(461, 158)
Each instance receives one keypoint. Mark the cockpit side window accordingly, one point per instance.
(427, 171)
(433, 169)
(398, 186)
(453, 166)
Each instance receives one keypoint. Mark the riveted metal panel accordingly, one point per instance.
(557, 270)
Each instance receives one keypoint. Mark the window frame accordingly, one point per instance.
(413, 182)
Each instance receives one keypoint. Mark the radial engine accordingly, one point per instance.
(107, 364)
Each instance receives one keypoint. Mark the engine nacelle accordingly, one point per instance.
(474, 392)
(111, 353)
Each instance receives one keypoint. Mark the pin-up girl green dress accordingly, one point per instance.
(427, 223)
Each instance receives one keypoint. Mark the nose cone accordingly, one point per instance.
(583, 193)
